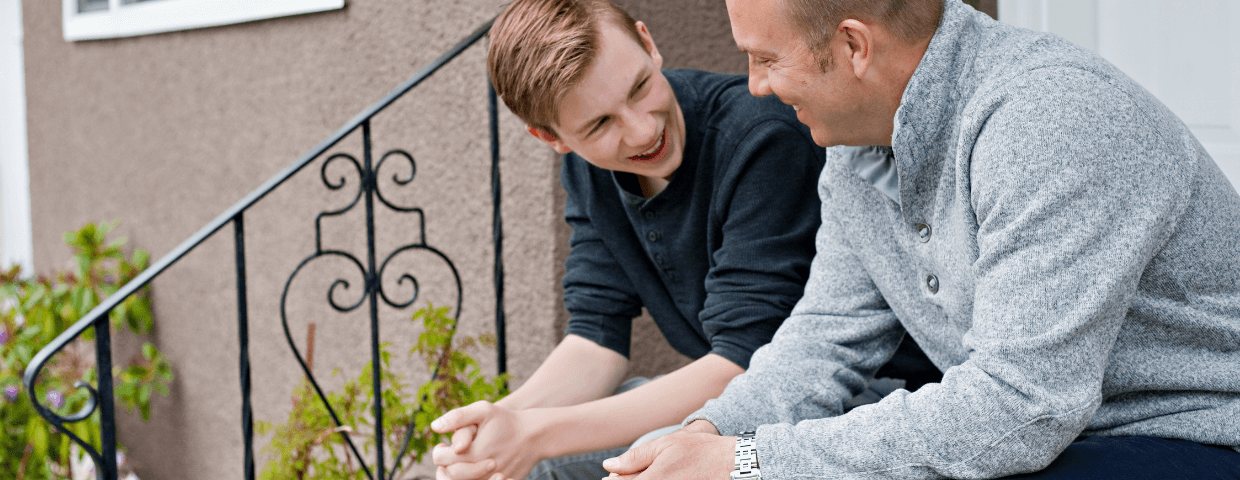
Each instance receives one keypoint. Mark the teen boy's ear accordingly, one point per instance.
(648, 43)
(549, 139)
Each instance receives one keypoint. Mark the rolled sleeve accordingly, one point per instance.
(598, 295)
(768, 211)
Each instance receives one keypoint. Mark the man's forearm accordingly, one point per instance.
(577, 371)
(619, 420)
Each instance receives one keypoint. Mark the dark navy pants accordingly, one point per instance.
(1140, 458)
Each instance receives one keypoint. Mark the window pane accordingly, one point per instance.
(92, 5)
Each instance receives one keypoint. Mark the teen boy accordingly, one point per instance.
(686, 195)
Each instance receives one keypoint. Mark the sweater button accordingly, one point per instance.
(932, 283)
(923, 232)
(652, 236)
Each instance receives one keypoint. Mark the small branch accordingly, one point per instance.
(310, 346)
(21, 470)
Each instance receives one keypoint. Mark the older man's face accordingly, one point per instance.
(781, 63)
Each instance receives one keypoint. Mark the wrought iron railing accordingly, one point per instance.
(101, 395)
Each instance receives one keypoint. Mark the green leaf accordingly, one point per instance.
(141, 310)
(141, 258)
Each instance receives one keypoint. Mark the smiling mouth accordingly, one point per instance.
(655, 151)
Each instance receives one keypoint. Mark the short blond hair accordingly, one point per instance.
(540, 49)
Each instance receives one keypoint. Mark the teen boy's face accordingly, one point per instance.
(622, 115)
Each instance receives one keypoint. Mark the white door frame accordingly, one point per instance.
(16, 244)
(1199, 80)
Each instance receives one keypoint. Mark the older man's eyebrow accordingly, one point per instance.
(754, 51)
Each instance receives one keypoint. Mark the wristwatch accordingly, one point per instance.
(746, 458)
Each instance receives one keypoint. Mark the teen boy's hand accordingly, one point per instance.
(695, 452)
(553, 414)
(491, 442)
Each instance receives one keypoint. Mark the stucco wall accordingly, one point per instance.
(167, 131)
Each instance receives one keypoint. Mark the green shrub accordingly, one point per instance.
(310, 445)
(32, 313)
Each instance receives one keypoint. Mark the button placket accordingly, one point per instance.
(923, 232)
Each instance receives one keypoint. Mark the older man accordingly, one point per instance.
(1052, 236)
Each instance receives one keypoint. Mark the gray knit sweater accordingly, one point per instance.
(1078, 276)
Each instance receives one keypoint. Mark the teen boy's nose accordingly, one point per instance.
(641, 129)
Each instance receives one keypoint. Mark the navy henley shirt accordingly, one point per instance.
(719, 257)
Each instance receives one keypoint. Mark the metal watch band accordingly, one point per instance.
(746, 467)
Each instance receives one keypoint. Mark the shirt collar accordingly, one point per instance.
(931, 100)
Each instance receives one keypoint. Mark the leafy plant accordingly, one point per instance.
(311, 445)
(32, 313)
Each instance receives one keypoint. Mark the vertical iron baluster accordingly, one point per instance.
(107, 411)
(369, 184)
(497, 231)
(243, 340)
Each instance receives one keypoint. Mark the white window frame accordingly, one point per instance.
(16, 244)
(127, 20)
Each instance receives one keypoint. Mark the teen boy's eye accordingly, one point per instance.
(642, 85)
(598, 126)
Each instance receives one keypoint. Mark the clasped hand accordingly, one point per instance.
(488, 442)
(695, 452)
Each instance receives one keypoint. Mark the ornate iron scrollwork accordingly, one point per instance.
(372, 288)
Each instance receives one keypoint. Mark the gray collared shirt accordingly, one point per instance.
(876, 166)
(1082, 277)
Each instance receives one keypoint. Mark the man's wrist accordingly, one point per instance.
(541, 426)
(701, 426)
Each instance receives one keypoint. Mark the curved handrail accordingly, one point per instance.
(99, 314)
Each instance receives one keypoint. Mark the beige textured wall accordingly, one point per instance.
(167, 131)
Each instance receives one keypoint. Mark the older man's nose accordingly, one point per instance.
(758, 85)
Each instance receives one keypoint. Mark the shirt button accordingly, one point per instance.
(923, 232)
(650, 215)
(660, 260)
(932, 283)
(652, 236)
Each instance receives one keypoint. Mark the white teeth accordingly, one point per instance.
(796, 108)
(653, 149)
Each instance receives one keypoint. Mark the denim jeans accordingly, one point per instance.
(589, 465)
